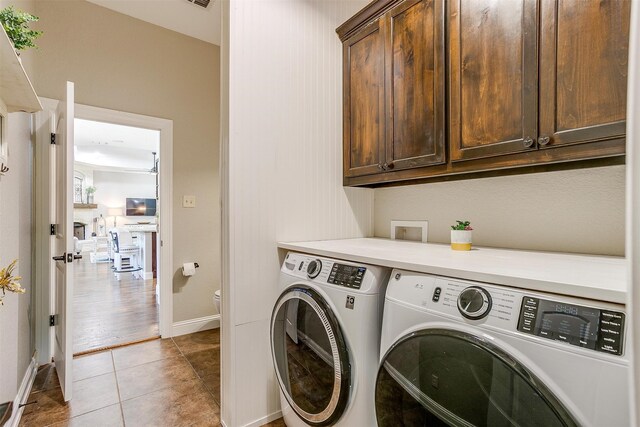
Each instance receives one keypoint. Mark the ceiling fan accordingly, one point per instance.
(154, 168)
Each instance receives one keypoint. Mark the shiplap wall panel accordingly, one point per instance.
(284, 167)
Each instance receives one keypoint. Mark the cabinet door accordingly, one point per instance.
(583, 70)
(415, 84)
(493, 77)
(364, 118)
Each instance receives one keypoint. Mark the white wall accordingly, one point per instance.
(578, 210)
(282, 158)
(121, 63)
(113, 188)
(16, 332)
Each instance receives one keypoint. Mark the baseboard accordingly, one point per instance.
(264, 420)
(195, 325)
(23, 393)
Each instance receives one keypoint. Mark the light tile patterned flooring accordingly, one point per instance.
(173, 382)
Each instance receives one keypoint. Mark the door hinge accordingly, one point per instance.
(53, 320)
(53, 139)
(53, 229)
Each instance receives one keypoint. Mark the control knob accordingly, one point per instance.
(314, 268)
(474, 303)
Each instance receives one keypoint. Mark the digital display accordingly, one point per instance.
(346, 275)
(581, 326)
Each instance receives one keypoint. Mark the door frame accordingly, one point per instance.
(44, 204)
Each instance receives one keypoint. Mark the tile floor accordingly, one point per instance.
(172, 382)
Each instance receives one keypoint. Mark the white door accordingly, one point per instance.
(63, 241)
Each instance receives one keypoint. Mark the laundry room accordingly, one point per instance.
(362, 213)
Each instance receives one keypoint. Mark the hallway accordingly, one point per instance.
(108, 312)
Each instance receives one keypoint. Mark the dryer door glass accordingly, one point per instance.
(310, 356)
(440, 377)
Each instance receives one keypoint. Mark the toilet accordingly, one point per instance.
(216, 300)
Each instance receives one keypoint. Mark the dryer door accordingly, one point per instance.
(310, 356)
(442, 377)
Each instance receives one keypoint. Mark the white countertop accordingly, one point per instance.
(600, 278)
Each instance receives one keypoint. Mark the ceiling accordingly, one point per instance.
(109, 146)
(177, 15)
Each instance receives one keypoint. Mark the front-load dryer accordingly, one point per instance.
(458, 353)
(325, 340)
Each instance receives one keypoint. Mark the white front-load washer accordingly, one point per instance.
(325, 340)
(458, 353)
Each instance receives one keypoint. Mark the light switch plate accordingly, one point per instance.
(188, 201)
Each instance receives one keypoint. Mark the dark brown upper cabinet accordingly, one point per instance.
(531, 83)
(394, 97)
(415, 93)
(364, 104)
(583, 70)
(493, 73)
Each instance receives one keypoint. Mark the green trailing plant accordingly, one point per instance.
(462, 225)
(16, 24)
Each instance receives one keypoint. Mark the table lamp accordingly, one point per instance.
(115, 212)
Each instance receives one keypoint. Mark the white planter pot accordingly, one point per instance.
(461, 240)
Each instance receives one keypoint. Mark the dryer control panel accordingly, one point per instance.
(583, 326)
(564, 319)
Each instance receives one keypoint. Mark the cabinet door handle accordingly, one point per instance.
(380, 166)
(528, 142)
(388, 166)
(543, 140)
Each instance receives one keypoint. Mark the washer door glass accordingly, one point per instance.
(440, 377)
(310, 356)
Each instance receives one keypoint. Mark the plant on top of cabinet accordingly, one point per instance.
(461, 234)
(16, 24)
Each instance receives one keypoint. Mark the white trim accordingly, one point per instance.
(228, 413)
(23, 393)
(44, 206)
(633, 215)
(264, 420)
(195, 325)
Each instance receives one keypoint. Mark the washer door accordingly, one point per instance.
(441, 377)
(310, 356)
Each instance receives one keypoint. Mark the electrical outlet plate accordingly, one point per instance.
(188, 201)
(410, 230)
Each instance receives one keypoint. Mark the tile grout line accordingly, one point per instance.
(196, 372)
(115, 374)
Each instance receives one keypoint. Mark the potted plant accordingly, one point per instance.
(16, 24)
(461, 236)
(90, 192)
(9, 282)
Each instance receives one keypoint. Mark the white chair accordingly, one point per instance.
(126, 255)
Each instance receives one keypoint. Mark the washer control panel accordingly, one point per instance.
(349, 276)
(589, 327)
(474, 302)
(355, 277)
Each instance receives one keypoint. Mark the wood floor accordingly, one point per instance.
(107, 312)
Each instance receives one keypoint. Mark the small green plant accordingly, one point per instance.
(462, 225)
(16, 24)
(91, 190)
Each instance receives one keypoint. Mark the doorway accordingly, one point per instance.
(115, 225)
(45, 299)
